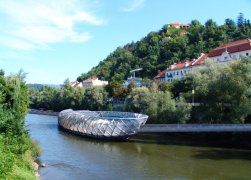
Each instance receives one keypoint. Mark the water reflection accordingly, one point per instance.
(147, 156)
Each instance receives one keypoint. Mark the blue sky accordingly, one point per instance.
(53, 40)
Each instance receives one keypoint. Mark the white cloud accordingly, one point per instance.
(36, 24)
(133, 5)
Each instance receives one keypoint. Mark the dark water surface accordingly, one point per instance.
(147, 156)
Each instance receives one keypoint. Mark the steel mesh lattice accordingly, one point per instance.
(101, 123)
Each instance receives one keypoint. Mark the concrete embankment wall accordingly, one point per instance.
(152, 128)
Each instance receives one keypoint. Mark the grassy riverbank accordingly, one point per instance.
(17, 157)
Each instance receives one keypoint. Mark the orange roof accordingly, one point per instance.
(232, 47)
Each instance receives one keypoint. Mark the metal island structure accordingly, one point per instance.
(101, 124)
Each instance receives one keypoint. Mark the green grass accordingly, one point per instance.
(17, 158)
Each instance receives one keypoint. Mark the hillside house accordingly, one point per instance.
(90, 82)
(231, 51)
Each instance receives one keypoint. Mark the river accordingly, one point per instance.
(147, 156)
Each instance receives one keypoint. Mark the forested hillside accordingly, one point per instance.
(159, 49)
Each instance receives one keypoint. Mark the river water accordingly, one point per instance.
(147, 156)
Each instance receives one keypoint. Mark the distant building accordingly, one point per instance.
(90, 82)
(177, 71)
(231, 51)
(93, 81)
(178, 25)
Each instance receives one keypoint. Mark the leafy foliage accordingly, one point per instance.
(16, 147)
(223, 92)
(159, 105)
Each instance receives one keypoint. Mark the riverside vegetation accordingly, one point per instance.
(17, 150)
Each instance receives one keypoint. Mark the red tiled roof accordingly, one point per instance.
(200, 59)
(160, 75)
(232, 47)
(177, 24)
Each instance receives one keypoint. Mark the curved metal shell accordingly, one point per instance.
(101, 124)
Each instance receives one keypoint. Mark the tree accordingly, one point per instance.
(224, 92)
(240, 20)
(95, 99)
(2, 72)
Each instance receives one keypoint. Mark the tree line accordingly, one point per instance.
(222, 94)
(169, 45)
(16, 148)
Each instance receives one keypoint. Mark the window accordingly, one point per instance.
(225, 57)
(247, 54)
(177, 73)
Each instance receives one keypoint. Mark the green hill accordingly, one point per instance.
(159, 49)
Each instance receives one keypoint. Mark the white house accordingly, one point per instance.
(93, 81)
(231, 51)
(90, 82)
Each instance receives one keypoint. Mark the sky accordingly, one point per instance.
(52, 40)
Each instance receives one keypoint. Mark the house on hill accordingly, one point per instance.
(178, 25)
(231, 51)
(93, 81)
(90, 82)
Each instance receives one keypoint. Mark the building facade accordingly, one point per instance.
(231, 51)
